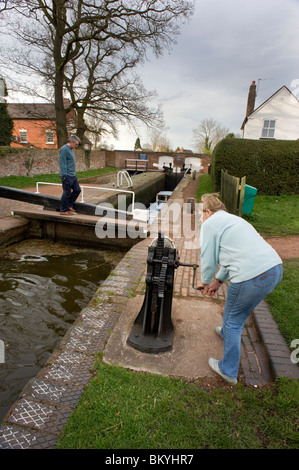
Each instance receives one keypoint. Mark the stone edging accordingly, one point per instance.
(275, 346)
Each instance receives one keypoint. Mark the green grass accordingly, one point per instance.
(275, 215)
(284, 301)
(30, 181)
(204, 186)
(122, 409)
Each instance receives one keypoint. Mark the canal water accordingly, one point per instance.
(43, 287)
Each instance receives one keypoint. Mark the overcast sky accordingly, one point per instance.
(227, 45)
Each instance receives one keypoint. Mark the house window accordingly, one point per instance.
(49, 137)
(268, 129)
(23, 136)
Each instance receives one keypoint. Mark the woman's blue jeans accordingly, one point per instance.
(242, 298)
(71, 191)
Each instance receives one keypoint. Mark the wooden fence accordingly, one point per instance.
(232, 192)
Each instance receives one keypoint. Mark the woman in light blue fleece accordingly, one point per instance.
(252, 266)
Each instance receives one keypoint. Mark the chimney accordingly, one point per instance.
(251, 99)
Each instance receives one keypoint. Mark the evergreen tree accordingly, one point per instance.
(137, 144)
(208, 146)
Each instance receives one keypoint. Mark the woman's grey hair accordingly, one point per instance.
(74, 138)
(212, 202)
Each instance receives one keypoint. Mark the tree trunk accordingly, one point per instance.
(61, 129)
(81, 126)
(59, 16)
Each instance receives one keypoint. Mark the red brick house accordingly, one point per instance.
(34, 124)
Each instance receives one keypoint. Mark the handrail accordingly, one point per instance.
(96, 187)
(120, 175)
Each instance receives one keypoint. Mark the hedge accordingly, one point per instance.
(271, 166)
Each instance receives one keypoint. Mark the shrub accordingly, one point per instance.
(271, 166)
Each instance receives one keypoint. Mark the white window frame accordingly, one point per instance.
(23, 136)
(49, 133)
(268, 129)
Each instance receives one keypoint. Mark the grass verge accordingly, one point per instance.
(30, 181)
(275, 215)
(204, 186)
(284, 301)
(122, 409)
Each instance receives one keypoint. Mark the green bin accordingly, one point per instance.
(249, 195)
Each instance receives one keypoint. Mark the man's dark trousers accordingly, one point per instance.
(71, 191)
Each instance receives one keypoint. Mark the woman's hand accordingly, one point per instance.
(209, 289)
(214, 287)
(203, 288)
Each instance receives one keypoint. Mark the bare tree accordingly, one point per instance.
(207, 135)
(86, 47)
(158, 140)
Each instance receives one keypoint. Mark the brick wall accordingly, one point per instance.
(45, 161)
(206, 160)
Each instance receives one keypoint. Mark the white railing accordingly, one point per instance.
(97, 188)
(119, 180)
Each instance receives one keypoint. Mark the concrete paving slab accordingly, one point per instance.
(194, 340)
